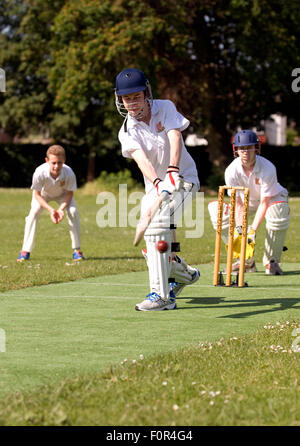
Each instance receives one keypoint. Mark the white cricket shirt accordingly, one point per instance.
(153, 140)
(52, 188)
(262, 182)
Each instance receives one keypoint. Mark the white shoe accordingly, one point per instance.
(273, 269)
(155, 303)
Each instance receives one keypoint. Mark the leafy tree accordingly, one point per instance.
(224, 63)
(25, 33)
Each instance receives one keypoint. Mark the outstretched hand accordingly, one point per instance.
(56, 216)
(61, 214)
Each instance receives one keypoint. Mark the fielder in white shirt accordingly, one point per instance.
(268, 201)
(52, 181)
(151, 135)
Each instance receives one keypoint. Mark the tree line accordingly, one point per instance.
(225, 63)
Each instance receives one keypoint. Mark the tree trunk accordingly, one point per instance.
(91, 169)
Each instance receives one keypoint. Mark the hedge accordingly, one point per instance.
(18, 162)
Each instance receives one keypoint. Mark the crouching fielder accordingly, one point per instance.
(268, 200)
(52, 181)
(151, 135)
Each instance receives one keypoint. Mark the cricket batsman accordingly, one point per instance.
(268, 201)
(151, 135)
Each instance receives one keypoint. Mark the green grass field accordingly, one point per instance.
(74, 341)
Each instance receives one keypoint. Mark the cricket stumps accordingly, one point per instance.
(218, 277)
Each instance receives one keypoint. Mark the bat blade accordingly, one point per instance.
(148, 217)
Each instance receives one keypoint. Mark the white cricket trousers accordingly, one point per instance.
(160, 264)
(33, 217)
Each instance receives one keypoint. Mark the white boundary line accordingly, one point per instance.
(194, 286)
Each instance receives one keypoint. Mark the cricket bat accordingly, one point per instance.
(148, 217)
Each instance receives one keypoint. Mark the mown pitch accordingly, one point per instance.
(72, 328)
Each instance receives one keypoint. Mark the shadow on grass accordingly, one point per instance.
(285, 273)
(258, 305)
(291, 273)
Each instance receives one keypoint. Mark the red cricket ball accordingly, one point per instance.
(162, 246)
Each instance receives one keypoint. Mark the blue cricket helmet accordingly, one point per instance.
(131, 80)
(246, 138)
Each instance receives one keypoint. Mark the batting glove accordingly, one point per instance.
(173, 180)
(158, 184)
(161, 186)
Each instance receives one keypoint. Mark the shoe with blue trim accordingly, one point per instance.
(77, 255)
(23, 256)
(177, 287)
(155, 303)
